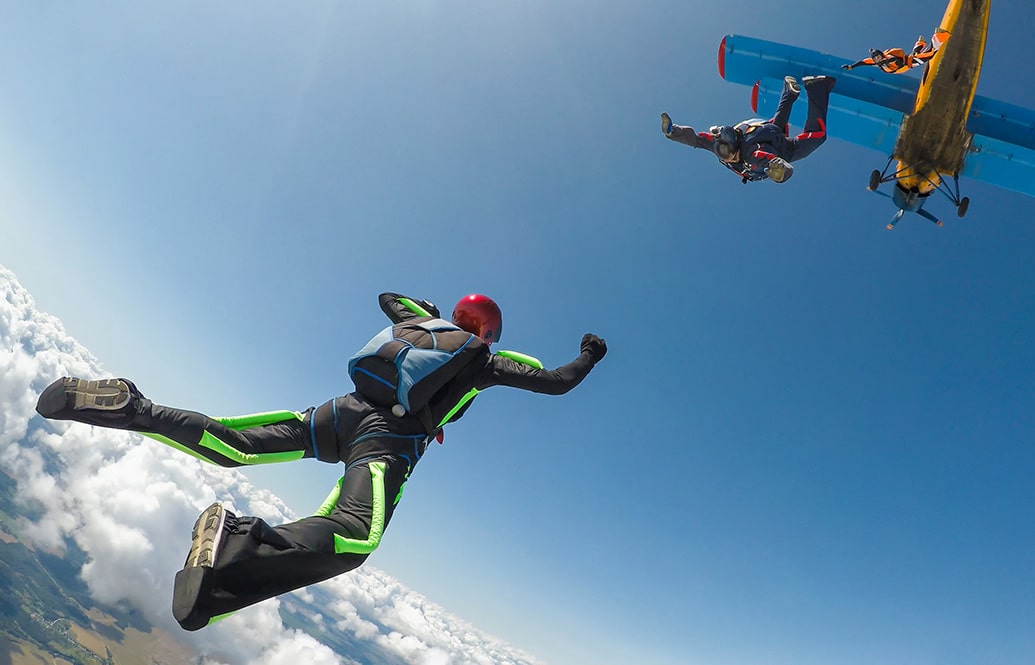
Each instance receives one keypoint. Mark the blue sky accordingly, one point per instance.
(811, 440)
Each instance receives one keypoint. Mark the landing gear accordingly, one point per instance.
(913, 183)
(874, 180)
(961, 203)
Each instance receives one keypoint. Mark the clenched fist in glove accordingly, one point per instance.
(594, 346)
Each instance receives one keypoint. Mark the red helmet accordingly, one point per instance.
(479, 315)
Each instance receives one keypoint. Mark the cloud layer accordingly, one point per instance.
(130, 505)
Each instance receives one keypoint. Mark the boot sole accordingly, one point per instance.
(206, 537)
(192, 584)
(69, 394)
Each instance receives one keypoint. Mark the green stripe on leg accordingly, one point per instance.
(213, 443)
(331, 501)
(209, 440)
(178, 446)
(343, 545)
(258, 419)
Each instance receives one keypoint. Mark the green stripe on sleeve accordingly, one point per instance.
(522, 358)
(414, 307)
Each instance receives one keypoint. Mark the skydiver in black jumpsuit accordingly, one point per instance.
(238, 561)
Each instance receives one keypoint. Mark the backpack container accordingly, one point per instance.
(406, 364)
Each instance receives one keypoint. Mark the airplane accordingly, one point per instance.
(935, 128)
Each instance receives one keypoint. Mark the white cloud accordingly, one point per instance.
(130, 504)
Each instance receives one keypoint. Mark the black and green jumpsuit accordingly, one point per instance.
(256, 561)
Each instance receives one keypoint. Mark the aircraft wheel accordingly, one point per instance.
(874, 180)
(961, 209)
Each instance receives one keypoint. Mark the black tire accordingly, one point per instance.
(874, 180)
(961, 209)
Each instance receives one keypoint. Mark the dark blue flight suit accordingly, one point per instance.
(763, 141)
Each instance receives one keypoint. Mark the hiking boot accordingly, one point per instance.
(193, 585)
(108, 402)
(812, 81)
(791, 85)
(666, 124)
(208, 534)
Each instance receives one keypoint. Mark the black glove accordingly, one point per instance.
(594, 346)
(846, 66)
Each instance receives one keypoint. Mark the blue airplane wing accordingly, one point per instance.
(1002, 152)
(867, 107)
(1002, 121)
(745, 60)
(1002, 164)
(848, 119)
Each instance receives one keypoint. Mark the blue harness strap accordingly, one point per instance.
(323, 431)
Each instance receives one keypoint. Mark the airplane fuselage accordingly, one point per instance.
(934, 140)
